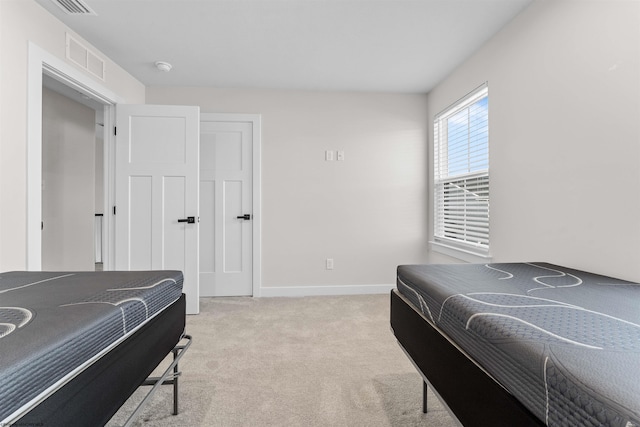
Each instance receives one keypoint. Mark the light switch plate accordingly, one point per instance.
(329, 263)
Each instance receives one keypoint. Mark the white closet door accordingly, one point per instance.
(226, 198)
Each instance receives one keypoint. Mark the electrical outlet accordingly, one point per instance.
(329, 263)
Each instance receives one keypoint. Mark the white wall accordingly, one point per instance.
(68, 183)
(367, 212)
(564, 99)
(22, 21)
(564, 82)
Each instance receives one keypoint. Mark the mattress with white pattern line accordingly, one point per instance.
(564, 342)
(55, 324)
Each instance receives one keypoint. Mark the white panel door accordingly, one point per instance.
(226, 209)
(157, 150)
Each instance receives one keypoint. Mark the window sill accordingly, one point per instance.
(460, 253)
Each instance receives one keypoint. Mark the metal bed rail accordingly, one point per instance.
(169, 377)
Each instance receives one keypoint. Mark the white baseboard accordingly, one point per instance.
(305, 291)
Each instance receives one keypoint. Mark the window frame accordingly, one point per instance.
(461, 200)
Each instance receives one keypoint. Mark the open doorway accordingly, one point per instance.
(41, 64)
(72, 179)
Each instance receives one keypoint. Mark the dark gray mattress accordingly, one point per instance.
(566, 343)
(54, 324)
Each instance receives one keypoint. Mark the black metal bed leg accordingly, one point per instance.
(175, 383)
(424, 397)
(173, 375)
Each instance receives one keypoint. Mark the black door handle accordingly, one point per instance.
(188, 220)
(246, 217)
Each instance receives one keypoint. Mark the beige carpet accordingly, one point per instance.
(314, 361)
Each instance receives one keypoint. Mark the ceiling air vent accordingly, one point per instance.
(74, 7)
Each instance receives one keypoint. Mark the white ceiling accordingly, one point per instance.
(354, 45)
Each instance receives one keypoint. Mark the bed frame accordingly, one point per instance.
(96, 394)
(472, 396)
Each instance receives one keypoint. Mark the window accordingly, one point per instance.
(461, 174)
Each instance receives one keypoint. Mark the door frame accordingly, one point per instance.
(256, 223)
(42, 62)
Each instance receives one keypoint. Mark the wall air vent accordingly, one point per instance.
(74, 7)
(85, 58)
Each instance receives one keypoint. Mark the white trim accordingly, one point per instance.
(463, 102)
(306, 291)
(109, 221)
(459, 253)
(256, 122)
(257, 204)
(39, 62)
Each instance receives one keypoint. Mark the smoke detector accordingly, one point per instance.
(74, 7)
(163, 66)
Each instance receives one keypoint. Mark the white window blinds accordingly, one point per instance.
(461, 173)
